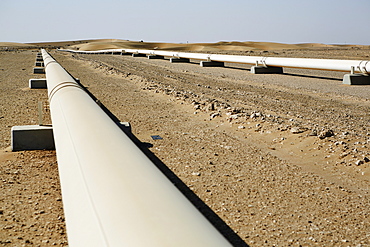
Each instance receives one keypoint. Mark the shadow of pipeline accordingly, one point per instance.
(212, 217)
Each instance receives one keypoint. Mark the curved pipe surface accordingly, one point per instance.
(360, 66)
(113, 195)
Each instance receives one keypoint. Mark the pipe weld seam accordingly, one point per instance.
(61, 86)
(363, 68)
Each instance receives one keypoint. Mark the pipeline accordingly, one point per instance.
(359, 66)
(113, 195)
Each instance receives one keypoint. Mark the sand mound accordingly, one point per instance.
(219, 46)
(199, 47)
(237, 46)
(13, 44)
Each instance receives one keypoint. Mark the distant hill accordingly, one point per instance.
(102, 44)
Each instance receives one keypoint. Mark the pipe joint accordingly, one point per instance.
(364, 67)
(263, 61)
(62, 85)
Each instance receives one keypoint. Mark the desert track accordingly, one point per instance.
(281, 159)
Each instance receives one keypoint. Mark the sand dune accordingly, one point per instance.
(53, 44)
(101, 44)
(13, 44)
(201, 47)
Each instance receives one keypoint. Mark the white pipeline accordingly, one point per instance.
(360, 66)
(113, 195)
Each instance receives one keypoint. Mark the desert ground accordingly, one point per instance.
(270, 160)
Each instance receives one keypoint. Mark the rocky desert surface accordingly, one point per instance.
(270, 160)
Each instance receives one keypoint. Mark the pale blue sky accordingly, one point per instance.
(286, 21)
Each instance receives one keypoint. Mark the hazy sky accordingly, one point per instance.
(286, 21)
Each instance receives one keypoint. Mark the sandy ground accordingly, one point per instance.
(31, 211)
(272, 160)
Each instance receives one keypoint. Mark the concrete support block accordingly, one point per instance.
(39, 59)
(356, 79)
(179, 60)
(155, 57)
(39, 64)
(125, 126)
(212, 64)
(138, 55)
(37, 83)
(41, 83)
(32, 137)
(266, 70)
(39, 70)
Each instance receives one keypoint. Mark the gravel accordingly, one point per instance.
(269, 159)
